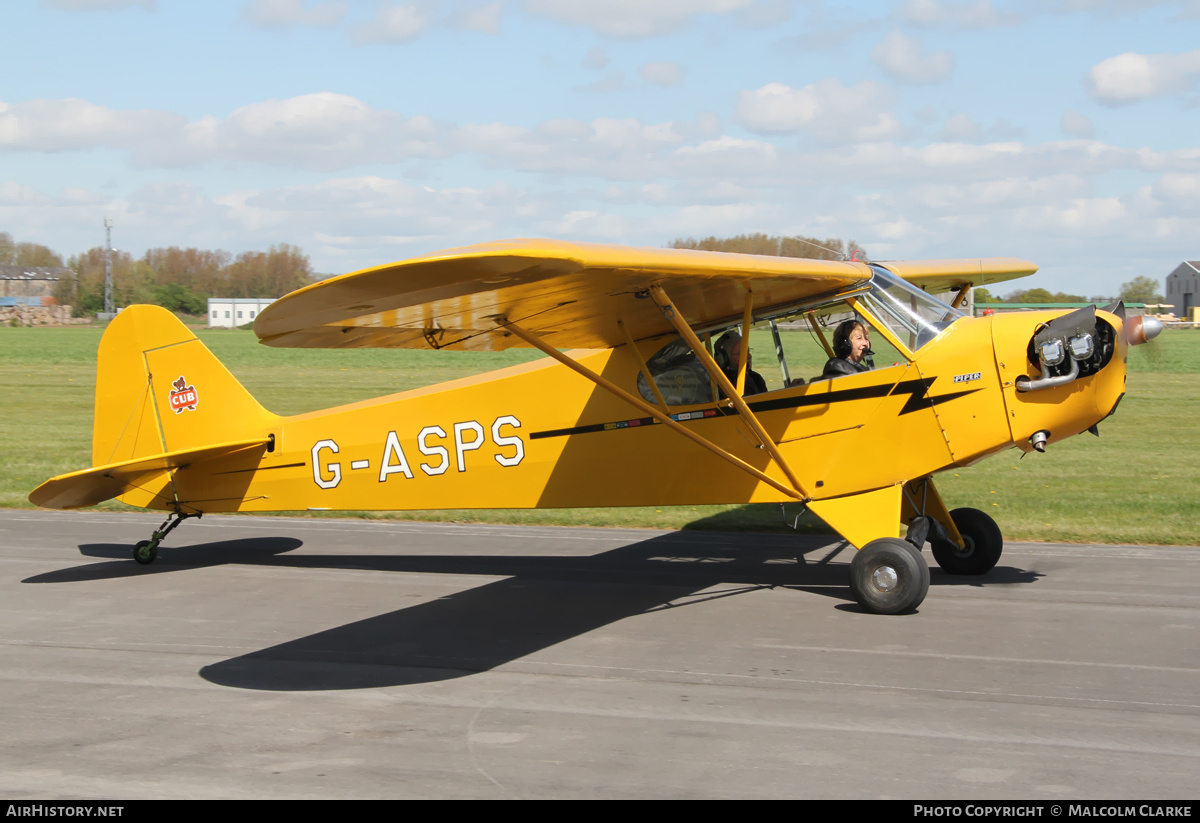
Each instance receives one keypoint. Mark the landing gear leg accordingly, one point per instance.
(146, 551)
(982, 544)
(964, 541)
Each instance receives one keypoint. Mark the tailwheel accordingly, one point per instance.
(982, 540)
(889, 576)
(145, 552)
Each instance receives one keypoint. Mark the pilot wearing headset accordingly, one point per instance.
(851, 349)
(726, 354)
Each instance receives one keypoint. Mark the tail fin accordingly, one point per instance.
(159, 389)
(164, 405)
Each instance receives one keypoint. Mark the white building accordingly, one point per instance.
(231, 312)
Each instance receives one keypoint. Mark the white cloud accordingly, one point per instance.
(624, 149)
(1114, 7)
(970, 15)
(319, 132)
(1179, 190)
(827, 109)
(591, 224)
(614, 81)
(765, 14)
(904, 60)
(601, 179)
(1076, 124)
(283, 14)
(1093, 216)
(481, 17)
(946, 200)
(595, 58)
(327, 132)
(1131, 77)
(723, 159)
(19, 194)
(633, 19)
(667, 75)
(828, 37)
(393, 23)
(961, 126)
(986, 195)
(98, 5)
(73, 124)
(168, 193)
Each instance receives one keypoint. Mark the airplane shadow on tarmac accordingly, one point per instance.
(540, 602)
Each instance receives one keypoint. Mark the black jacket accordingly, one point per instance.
(754, 382)
(837, 366)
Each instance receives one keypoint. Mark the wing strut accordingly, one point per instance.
(718, 377)
(645, 369)
(642, 405)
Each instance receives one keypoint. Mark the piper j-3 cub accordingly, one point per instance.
(638, 412)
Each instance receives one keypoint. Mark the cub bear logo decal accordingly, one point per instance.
(184, 396)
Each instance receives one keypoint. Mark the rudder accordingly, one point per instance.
(159, 389)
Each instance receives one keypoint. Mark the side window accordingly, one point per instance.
(679, 376)
(789, 351)
(807, 341)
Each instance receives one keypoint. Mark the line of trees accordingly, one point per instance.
(796, 245)
(177, 279)
(1138, 290)
(26, 254)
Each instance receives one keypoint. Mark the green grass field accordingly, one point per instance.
(1138, 483)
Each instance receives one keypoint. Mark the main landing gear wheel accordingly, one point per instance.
(145, 551)
(889, 576)
(983, 540)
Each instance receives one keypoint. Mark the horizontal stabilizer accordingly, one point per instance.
(95, 485)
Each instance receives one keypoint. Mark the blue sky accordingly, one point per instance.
(363, 132)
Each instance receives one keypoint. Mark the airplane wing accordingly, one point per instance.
(938, 276)
(570, 294)
(95, 485)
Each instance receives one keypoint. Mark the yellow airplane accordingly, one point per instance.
(657, 403)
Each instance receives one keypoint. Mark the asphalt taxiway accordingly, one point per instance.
(265, 657)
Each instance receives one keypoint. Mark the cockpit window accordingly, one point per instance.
(912, 315)
(678, 374)
(792, 348)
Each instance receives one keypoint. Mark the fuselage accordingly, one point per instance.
(540, 435)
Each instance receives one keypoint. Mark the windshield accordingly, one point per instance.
(912, 315)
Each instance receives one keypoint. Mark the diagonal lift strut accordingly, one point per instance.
(730, 391)
(640, 404)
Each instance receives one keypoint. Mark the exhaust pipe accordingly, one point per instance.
(1025, 384)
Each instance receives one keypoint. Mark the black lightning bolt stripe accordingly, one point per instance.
(264, 468)
(917, 391)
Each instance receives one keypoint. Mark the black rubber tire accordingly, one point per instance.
(145, 552)
(984, 544)
(870, 576)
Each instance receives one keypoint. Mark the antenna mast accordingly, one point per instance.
(108, 280)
